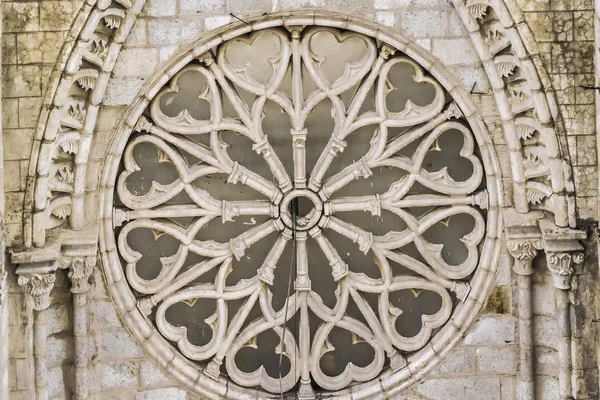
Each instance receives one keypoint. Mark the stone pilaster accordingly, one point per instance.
(563, 254)
(524, 239)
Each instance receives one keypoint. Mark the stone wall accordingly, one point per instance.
(484, 366)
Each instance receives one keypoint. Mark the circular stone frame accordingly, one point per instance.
(387, 383)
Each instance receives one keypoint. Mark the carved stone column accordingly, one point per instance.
(36, 275)
(563, 254)
(524, 239)
(78, 256)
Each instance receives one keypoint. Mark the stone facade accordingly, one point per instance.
(63, 338)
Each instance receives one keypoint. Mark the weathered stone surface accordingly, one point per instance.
(492, 331)
(471, 388)
(501, 360)
(119, 374)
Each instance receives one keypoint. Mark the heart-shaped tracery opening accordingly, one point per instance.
(301, 209)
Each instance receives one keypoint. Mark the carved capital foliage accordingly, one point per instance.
(563, 252)
(79, 271)
(524, 239)
(523, 251)
(561, 266)
(38, 286)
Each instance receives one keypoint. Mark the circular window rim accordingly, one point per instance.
(388, 383)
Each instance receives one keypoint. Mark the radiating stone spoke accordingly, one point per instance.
(266, 271)
(339, 268)
(359, 236)
(302, 282)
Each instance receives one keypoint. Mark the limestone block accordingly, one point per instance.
(551, 26)
(119, 374)
(118, 345)
(21, 373)
(191, 30)
(22, 81)
(461, 361)
(204, 7)
(29, 111)
(14, 203)
(537, 5)
(386, 18)
(10, 113)
(120, 395)
(166, 52)
(122, 90)
(492, 330)
(215, 22)
(57, 15)
(584, 25)
(159, 8)
(136, 62)
(425, 23)
(572, 57)
(586, 182)
(162, 394)
(245, 6)
(579, 120)
(39, 47)
(541, 294)
(151, 375)
(508, 388)
(57, 385)
(164, 32)
(347, 4)
(9, 49)
(455, 51)
(103, 315)
(546, 361)
(58, 349)
(470, 76)
(564, 87)
(471, 388)
(58, 315)
(138, 35)
(545, 331)
(584, 95)
(586, 151)
(456, 26)
(20, 17)
(501, 360)
(18, 344)
(391, 4)
(12, 176)
(547, 387)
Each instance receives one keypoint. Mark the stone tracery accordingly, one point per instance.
(191, 139)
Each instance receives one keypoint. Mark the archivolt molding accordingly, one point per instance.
(57, 173)
(542, 178)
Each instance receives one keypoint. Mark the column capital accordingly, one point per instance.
(36, 272)
(78, 255)
(523, 238)
(563, 252)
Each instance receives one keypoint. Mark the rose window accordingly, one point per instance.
(300, 209)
